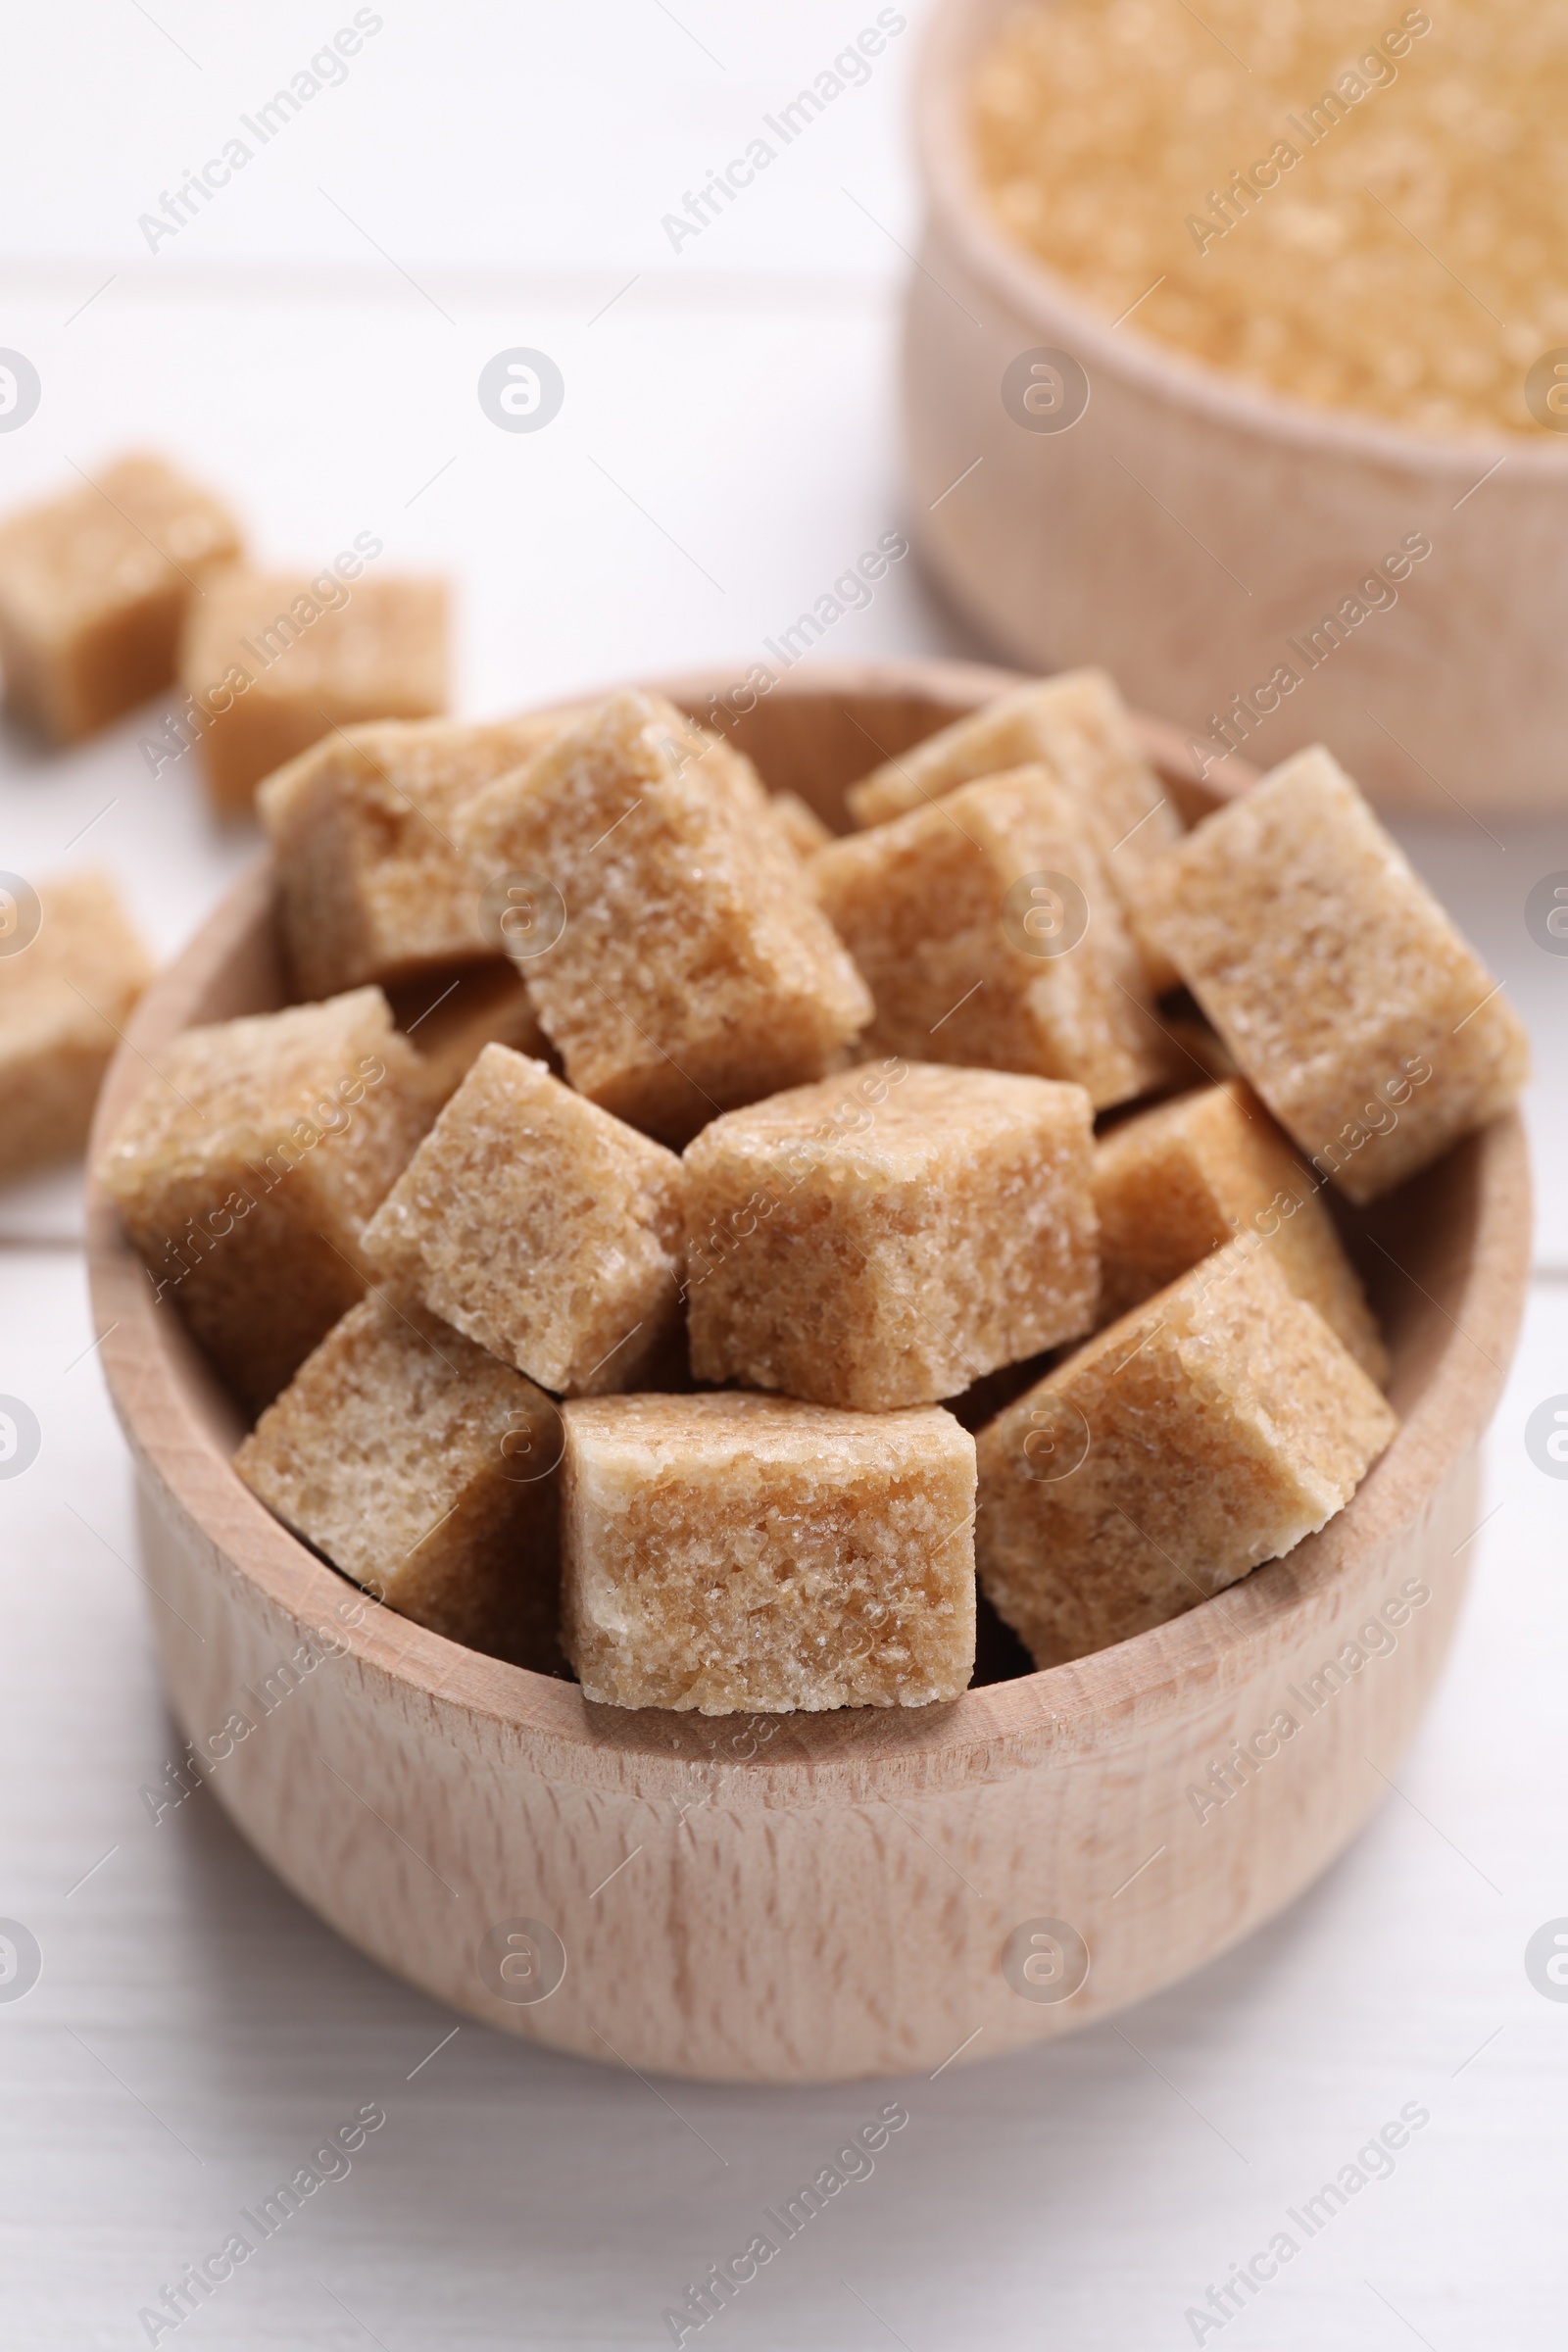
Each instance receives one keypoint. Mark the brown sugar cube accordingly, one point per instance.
(1077, 725)
(424, 1470)
(1373, 1032)
(371, 883)
(988, 936)
(271, 663)
(450, 1020)
(732, 1552)
(1209, 1430)
(249, 1166)
(94, 590)
(885, 1237)
(71, 969)
(692, 971)
(778, 822)
(541, 1226)
(1174, 1183)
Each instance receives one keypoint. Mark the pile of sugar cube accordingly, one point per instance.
(673, 1245)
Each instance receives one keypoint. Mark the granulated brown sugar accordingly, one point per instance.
(1364, 210)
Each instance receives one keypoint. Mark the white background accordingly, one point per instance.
(487, 177)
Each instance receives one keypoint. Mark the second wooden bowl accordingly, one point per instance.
(797, 1899)
(1194, 534)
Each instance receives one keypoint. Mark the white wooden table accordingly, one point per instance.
(482, 179)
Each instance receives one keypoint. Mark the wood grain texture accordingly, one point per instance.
(824, 1897)
(1189, 526)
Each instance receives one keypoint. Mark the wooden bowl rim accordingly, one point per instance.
(147, 1360)
(950, 37)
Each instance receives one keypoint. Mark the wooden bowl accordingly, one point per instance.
(1188, 528)
(800, 1899)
